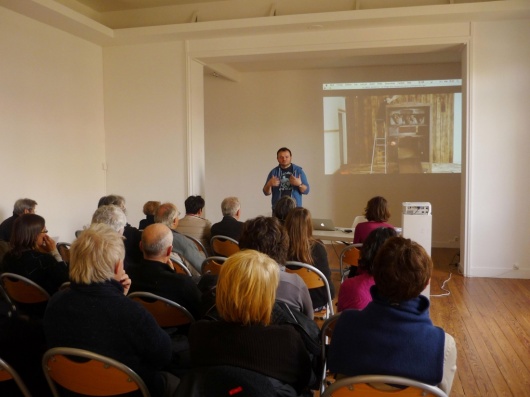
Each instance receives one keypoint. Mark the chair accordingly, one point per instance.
(325, 334)
(224, 245)
(64, 251)
(88, 373)
(363, 386)
(349, 256)
(200, 246)
(167, 313)
(358, 219)
(8, 373)
(178, 264)
(212, 264)
(20, 289)
(313, 278)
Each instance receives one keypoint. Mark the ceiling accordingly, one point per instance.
(218, 17)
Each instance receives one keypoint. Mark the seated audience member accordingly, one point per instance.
(394, 334)
(230, 226)
(149, 210)
(94, 313)
(303, 247)
(245, 337)
(354, 292)
(282, 208)
(132, 235)
(21, 207)
(267, 235)
(167, 214)
(377, 213)
(156, 274)
(193, 224)
(34, 254)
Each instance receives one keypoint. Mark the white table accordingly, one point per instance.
(334, 235)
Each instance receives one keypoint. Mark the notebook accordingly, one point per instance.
(323, 224)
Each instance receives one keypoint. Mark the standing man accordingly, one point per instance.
(287, 179)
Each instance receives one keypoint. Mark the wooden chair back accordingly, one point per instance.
(212, 264)
(349, 256)
(224, 245)
(22, 290)
(167, 313)
(367, 386)
(64, 251)
(200, 246)
(179, 265)
(325, 334)
(88, 373)
(313, 278)
(7, 373)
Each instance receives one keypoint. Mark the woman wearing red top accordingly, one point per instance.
(377, 213)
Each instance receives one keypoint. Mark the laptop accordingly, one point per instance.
(323, 224)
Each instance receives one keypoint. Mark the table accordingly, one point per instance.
(334, 235)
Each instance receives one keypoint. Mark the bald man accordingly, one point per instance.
(155, 273)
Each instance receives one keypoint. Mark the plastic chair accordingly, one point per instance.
(7, 373)
(22, 290)
(325, 334)
(313, 278)
(166, 312)
(88, 373)
(224, 245)
(178, 264)
(349, 256)
(64, 251)
(199, 244)
(358, 219)
(365, 386)
(212, 264)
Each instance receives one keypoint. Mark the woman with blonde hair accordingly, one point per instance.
(245, 336)
(305, 248)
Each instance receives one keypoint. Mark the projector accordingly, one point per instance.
(416, 208)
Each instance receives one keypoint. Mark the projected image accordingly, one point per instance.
(386, 134)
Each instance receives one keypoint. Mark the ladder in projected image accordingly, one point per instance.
(379, 149)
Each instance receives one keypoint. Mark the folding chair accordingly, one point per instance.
(64, 251)
(349, 256)
(313, 278)
(199, 244)
(166, 312)
(325, 334)
(21, 291)
(7, 373)
(179, 265)
(212, 264)
(367, 386)
(224, 245)
(90, 374)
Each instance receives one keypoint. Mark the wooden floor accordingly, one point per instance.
(490, 321)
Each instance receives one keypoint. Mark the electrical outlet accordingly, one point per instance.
(456, 239)
(516, 266)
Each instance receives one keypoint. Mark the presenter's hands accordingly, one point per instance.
(274, 181)
(295, 181)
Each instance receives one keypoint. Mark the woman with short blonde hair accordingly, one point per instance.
(245, 337)
(246, 288)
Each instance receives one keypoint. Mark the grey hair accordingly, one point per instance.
(155, 244)
(230, 206)
(23, 204)
(110, 215)
(166, 213)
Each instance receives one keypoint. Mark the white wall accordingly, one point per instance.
(145, 122)
(51, 129)
(499, 184)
